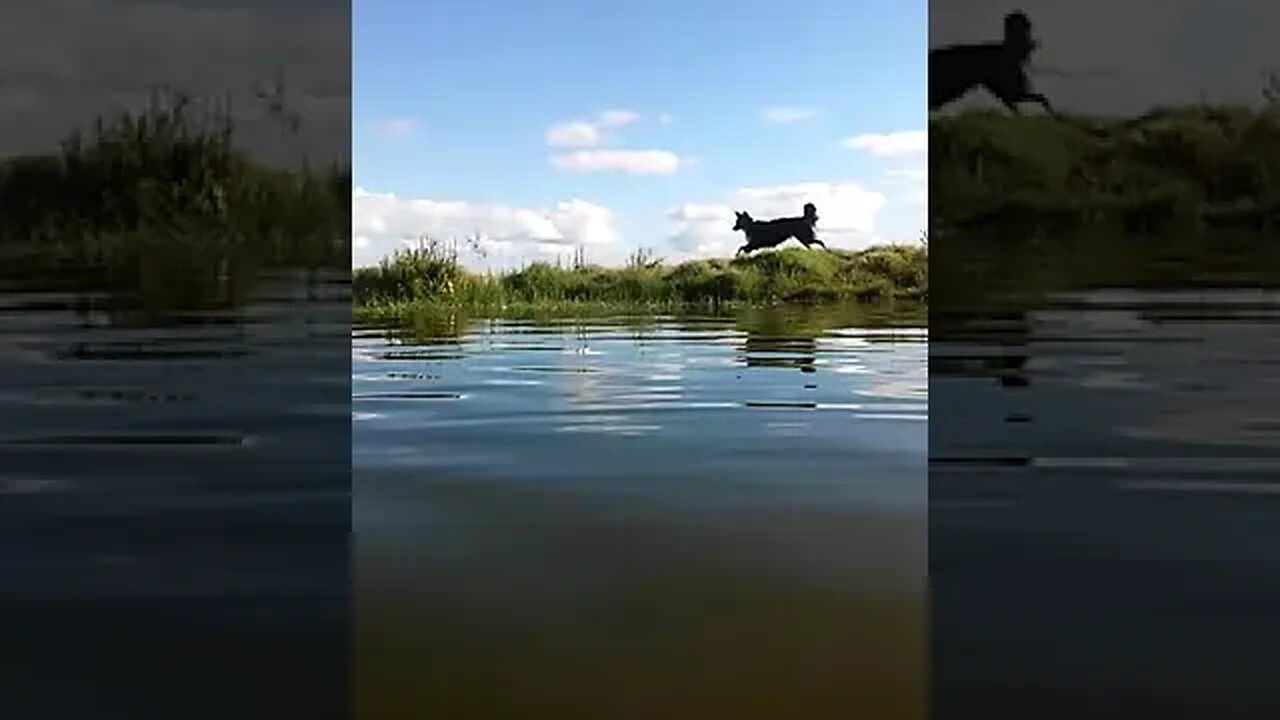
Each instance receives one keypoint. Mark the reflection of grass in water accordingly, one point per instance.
(983, 268)
(433, 322)
(711, 648)
(803, 321)
(160, 207)
(432, 277)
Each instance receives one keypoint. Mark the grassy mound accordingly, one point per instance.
(1184, 168)
(161, 205)
(432, 276)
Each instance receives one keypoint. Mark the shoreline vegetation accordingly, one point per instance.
(1198, 167)
(1179, 197)
(431, 280)
(161, 210)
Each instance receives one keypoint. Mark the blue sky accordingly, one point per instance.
(541, 126)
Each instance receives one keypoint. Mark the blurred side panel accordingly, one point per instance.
(174, 358)
(1103, 366)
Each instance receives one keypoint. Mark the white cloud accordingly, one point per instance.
(703, 230)
(787, 115)
(573, 134)
(847, 214)
(633, 162)
(583, 223)
(892, 144)
(913, 174)
(916, 181)
(617, 118)
(398, 127)
(588, 133)
(665, 119)
(382, 222)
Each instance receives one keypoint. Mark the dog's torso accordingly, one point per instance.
(768, 233)
(955, 70)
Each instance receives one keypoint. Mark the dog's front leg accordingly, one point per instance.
(1043, 101)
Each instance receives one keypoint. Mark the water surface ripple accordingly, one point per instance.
(629, 518)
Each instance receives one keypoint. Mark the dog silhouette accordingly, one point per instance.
(771, 233)
(998, 67)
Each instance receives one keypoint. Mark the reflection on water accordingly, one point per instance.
(712, 517)
(1103, 475)
(174, 503)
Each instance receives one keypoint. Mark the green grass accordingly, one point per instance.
(430, 278)
(162, 206)
(1182, 197)
(1174, 169)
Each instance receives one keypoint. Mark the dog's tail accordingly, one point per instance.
(1050, 71)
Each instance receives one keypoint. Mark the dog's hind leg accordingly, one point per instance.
(1008, 94)
(809, 238)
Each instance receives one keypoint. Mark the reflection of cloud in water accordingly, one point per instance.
(31, 485)
(852, 368)
(1116, 381)
(604, 428)
(787, 429)
(918, 417)
(907, 389)
(1215, 487)
(1206, 374)
(1090, 322)
(581, 387)
(1241, 426)
(508, 382)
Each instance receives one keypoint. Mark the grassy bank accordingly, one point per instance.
(430, 278)
(161, 206)
(1175, 169)
(1178, 198)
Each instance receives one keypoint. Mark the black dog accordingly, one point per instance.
(999, 67)
(771, 233)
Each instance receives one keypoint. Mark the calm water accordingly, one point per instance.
(637, 518)
(175, 506)
(1104, 505)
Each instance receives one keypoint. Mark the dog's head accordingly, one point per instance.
(810, 211)
(743, 222)
(1017, 31)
